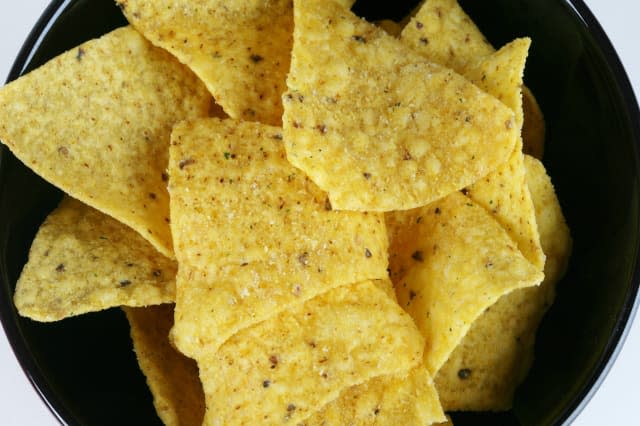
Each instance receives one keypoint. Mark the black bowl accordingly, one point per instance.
(84, 367)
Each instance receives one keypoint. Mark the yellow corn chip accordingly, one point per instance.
(500, 74)
(503, 192)
(286, 368)
(494, 357)
(450, 261)
(84, 261)
(261, 233)
(444, 33)
(375, 124)
(403, 399)
(171, 377)
(533, 130)
(240, 49)
(96, 122)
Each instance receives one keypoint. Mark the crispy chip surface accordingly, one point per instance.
(84, 261)
(241, 49)
(104, 138)
(442, 31)
(261, 235)
(503, 192)
(495, 355)
(172, 378)
(378, 126)
(289, 366)
(402, 399)
(449, 261)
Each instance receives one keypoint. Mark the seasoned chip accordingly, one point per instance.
(444, 33)
(84, 261)
(450, 261)
(503, 192)
(533, 130)
(402, 399)
(262, 235)
(171, 377)
(483, 372)
(378, 126)
(240, 49)
(104, 139)
(286, 368)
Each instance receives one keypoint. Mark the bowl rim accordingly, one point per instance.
(588, 389)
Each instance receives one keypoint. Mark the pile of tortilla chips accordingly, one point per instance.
(307, 218)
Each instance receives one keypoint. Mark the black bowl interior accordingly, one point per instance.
(85, 369)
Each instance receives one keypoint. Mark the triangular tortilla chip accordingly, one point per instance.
(96, 121)
(286, 368)
(378, 126)
(497, 352)
(449, 261)
(172, 377)
(503, 192)
(262, 235)
(240, 49)
(403, 399)
(84, 261)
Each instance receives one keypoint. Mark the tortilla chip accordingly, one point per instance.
(403, 399)
(172, 378)
(494, 357)
(286, 368)
(95, 121)
(84, 261)
(261, 234)
(449, 262)
(533, 130)
(376, 125)
(503, 192)
(240, 49)
(443, 32)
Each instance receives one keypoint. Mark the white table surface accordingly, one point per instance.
(614, 403)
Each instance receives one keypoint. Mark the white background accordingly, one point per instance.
(615, 402)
